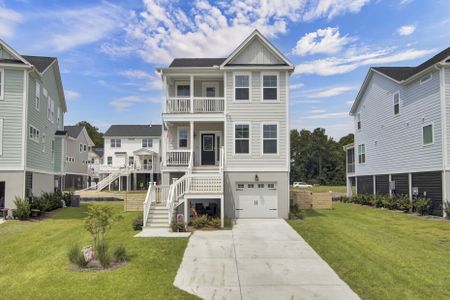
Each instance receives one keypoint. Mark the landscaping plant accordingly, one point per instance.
(138, 223)
(76, 256)
(102, 254)
(296, 213)
(214, 222)
(120, 254)
(403, 203)
(177, 226)
(421, 205)
(23, 208)
(200, 222)
(447, 209)
(98, 221)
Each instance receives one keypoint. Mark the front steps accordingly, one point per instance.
(158, 216)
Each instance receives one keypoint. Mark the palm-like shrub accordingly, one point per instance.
(23, 208)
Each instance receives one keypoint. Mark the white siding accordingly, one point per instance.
(447, 106)
(394, 143)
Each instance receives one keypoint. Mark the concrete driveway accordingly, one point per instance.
(258, 259)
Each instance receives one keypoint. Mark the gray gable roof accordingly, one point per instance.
(40, 62)
(196, 62)
(73, 131)
(98, 151)
(134, 130)
(403, 73)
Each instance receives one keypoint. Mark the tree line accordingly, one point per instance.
(317, 158)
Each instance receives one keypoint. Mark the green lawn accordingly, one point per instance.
(33, 262)
(382, 254)
(326, 188)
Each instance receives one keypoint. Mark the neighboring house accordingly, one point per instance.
(32, 107)
(95, 157)
(131, 157)
(225, 149)
(77, 146)
(402, 118)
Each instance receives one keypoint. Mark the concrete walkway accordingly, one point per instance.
(258, 259)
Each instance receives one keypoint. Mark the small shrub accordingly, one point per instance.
(50, 201)
(377, 201)
(345, 199)
(120, 254)
(389, 203)
(102, 254)
(421, 205)
(214, 222)
(177, 226)
(296, 213)
(23, 208)
(138, 223)
(403, 203)
(200, 222)
(66, 197)
(447, 209)
(76, 256)
(99, 220)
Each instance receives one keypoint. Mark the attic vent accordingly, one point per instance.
(426, 78)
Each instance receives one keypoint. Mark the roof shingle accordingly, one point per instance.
(73, 131)
(40, 62)
(196, 62)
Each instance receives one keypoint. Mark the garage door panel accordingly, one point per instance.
(256, 200)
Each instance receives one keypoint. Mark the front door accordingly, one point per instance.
(208, 153)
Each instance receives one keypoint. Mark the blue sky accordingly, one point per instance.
(108, 51)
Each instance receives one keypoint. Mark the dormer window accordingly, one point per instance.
(396, 103)
(358, 120)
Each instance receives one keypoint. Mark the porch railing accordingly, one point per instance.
(178, 157)
(350, 168)
(195, 105)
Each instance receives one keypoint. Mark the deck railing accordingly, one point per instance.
(178, 157)
(195, 105)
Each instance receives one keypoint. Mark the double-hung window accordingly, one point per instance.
(182, 138)
(362, 153)
(270, 138)
(116, 143)
(37, 100)
(109, 160)
(358, 121)
(396, 103)
(241, 138)
(34, 134)
(183, 90)
(427, 134)
(242, 87)
(147, 143)
(270, 87)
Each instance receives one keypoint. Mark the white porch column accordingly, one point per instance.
(349, 187)
(120, 183)
(374, 185)
(186, 206)
(356, 185)
(191, 90)
(151, 170)
(166, 93)
(222, 212)
(410, 191)
(128, 182)
(135, 181)
(390, 190)
(192, 139)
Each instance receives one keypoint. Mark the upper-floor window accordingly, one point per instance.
(182, 138)
(270, 138)
(131, 160)
(34, 134)
(147, 143)
(396, 103)
(81, 148)
(426, 78)
(427, 134)
(183, 90)
(270, 87)
(358, 121)
(37, 100)
(109, 160)
(84, 148)
(362, 153)
(242, 87)
(242, 138)
(116, 143)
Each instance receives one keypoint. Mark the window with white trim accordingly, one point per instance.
(147, 143)
(37, 100)
(241, 87)
(49, 108)
(270, 87)
(84, 148)
(183, 90)
(116, 143)
(358, 121)
(396, 103)
(109, 160)
(242, 138)
(182, 138)
(81, 148)
(52, 111)
(362, 153)
(427, 134)
(34, 134)
(270, 138)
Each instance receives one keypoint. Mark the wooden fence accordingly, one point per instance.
(306, 199)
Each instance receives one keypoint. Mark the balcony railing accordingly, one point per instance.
(178, 157)
(197, 105)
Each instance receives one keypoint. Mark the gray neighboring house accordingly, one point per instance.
(402, 129)
(32, 107)
(225, 146)
(77, 145)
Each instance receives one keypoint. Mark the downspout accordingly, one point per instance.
(443, 103)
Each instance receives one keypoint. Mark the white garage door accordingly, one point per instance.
(256, 200)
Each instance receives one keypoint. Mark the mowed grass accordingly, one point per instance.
(326, 188)
(382, 254)
(34, 264)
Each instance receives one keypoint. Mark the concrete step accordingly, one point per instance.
(158, 217)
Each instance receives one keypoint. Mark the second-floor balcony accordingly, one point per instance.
(195, 105)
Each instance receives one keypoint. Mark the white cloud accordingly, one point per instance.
(330, 92)
(151, 81)
(70, 28)
(331, 115)
(318, 111)
(351, 61)
(328, 41)
(350, 102)
(71, 95)
(9, 19)
(296, 86)
(403, 2)
(406, 30)
(125, 103)
(163, 31)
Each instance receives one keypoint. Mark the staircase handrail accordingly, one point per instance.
(148, 202)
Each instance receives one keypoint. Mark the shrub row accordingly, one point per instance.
(43, 203)
(419, 205)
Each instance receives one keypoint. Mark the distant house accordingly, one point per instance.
(77, 146)
(402, 134)
(131, 158)
(32, 107)
(95, 157)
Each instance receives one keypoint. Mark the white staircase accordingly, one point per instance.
(158, 216)
(107, 181)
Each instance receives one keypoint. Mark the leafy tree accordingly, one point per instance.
(99, 220)
(95, 135)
